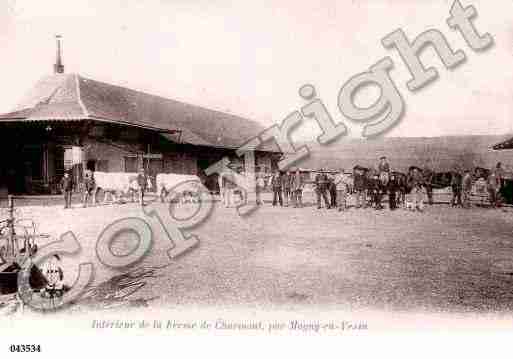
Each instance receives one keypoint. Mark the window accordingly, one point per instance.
(131, 164)
(102, 165)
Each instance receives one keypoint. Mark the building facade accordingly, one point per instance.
(68, 122)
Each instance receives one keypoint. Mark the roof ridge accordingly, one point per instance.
(79, 95)
(180, 102)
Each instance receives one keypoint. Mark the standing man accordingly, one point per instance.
(393, 187)
(321, 188)
(456, 188)
(428, 175)
(342, 189)
(466, 188)
(415, 183)
(67, 188)
(89, 186)
(276, 186)
(260, 185)
(285, 184)
(226, 186)
(360, 183)
(142, 181)
(375, 191)
(332, 189)
(297, 188)
(493, 186)
(384, 171)
(499, 172)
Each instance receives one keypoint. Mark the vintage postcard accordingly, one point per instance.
(274, 169)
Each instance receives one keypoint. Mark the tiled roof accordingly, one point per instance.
(71, 97)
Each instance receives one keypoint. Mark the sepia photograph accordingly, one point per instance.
(338, 169)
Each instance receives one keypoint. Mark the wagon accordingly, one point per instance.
(17, 245)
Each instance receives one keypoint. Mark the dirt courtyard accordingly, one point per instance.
(444, 259)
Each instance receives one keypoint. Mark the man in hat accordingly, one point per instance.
(383, 170)
(375, 186)
(223, 183)
(456, 188)
(89, 186)
(466, 188)
(493, 186)
(332, 189)
(226, 185)
(142, 182)
(260, 185)
(67, 189)
(241, 192)
(296, 187)
(428, 175)
(285, 185)
(499, 172)
(276, 187)
(393, 188)
(342, 188)
(360, 184)
(415, 183)
(321, 188)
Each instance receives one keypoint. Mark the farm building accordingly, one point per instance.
(504, 145)
(70, 122)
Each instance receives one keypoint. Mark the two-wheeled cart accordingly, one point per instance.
(17, 247)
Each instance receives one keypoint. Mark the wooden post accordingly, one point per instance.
(12, 235)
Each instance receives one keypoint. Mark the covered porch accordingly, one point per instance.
(36, 154)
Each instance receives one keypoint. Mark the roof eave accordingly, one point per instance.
(125, 123)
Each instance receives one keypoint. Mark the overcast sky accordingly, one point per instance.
(250, 57)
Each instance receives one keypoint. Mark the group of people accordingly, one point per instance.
(288, 189)
(334, 189)
(89, 187)
(369, 187)
(291, 184)
(489, 185)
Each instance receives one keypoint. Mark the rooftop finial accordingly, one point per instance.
(58, 67)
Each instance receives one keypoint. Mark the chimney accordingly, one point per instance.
(58, 67)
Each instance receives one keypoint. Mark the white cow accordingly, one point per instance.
(116, 184)
(230, 192)
(187, 187)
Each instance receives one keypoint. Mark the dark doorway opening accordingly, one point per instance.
(91, 165)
